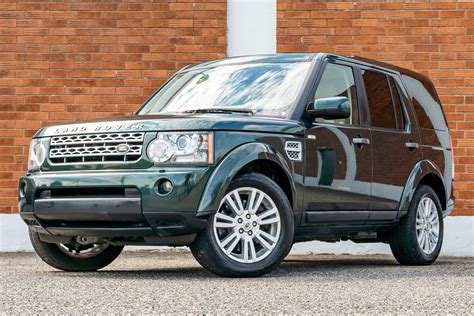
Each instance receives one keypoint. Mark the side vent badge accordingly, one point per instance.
(294, 150)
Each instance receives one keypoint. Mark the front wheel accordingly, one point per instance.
(74, 256)
(252, 231)
(418, 237)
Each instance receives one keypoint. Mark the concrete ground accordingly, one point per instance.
(158, 282)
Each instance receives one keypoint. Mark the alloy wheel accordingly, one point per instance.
(427, 225)
(247, 225)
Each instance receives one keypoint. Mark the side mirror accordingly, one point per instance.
(330, 108)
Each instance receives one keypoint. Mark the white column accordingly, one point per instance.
(251, 27)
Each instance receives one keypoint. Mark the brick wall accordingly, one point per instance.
(436, 39)
(74, 60)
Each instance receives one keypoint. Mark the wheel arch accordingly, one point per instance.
(250, 157)
(424, 172)
(437, 185)
(272, 170)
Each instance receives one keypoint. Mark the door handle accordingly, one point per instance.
(412, 146)
(359, 141)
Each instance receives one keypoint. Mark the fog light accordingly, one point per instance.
(163, 186)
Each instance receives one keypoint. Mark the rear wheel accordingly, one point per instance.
(252, 231)
(74, 256)
(418, 238)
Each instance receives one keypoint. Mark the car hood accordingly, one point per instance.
(181, 122)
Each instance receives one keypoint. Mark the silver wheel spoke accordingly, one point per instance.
(263, 242)
(267, 213)
(227, 221)
(268, 236)
(228, 239)
(224, 225)
(252, 250)
(269, 221)
(230, 221)
(427, 207)
(422, 241)
(256, 204)
(233, 245)
(432, 239)
(420, 237)
(246, 249)
(426, 243)
(239, 202)
(251, 200)
(224, 217)
(232, 205)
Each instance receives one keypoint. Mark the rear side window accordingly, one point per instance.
(379, 99)
(426, 104)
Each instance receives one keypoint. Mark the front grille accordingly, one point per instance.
(96, 148)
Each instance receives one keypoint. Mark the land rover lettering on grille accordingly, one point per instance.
(89, 128)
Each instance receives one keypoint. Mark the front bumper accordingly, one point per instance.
(113, 203)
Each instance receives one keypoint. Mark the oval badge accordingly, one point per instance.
(123, 148)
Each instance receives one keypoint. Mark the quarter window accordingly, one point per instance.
(338, 81)
(379, 99)
(426, 103)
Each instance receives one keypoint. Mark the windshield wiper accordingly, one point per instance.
(219, 110)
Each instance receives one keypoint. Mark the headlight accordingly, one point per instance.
(193, 147)
(37, 155)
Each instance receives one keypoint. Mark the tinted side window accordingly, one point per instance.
(425, 101)
(338, 81)
(397, 104)
(379, 99)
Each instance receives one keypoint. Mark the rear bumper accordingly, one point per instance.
(115, 204)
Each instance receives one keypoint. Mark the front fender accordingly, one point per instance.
(421, 169)
(228, 168)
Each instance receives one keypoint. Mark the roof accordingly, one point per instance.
(305, 57)
(381, 65)
(269, 58)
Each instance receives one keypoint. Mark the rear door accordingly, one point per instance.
(395, 140)
(338, 156)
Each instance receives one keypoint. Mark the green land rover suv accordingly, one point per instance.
(242, 157)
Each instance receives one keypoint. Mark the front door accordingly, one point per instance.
(338, 155)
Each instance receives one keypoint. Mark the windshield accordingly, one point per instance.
(267, 89)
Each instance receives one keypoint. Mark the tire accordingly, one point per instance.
(208, 249)
(404, 239)
(59, 259)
